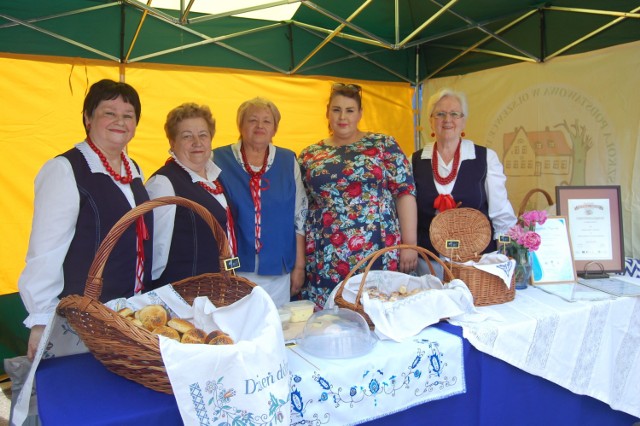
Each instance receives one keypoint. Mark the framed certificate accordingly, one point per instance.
(553, 261)
(594, 215)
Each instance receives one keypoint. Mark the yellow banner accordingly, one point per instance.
(40, 117)
(574, 120)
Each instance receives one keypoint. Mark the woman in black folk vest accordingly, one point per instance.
(79, 196)
(452, 171)
(184, 245)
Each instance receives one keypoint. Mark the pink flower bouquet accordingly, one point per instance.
(525, 240)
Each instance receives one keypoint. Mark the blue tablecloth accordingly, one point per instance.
(78, 390)
(500, 394)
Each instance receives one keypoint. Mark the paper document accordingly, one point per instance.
(573, 292)
(618, 285)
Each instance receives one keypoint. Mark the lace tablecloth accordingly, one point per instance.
(589, 347)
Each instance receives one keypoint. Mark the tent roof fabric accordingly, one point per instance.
(400, 40)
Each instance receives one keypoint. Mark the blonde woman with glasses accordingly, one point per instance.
(452, 171)
(361, 198)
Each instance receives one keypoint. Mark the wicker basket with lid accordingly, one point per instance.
(462, 234)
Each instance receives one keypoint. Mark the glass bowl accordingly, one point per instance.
(337, 333)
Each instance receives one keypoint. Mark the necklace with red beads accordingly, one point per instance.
(247, 166)
(216, 191)
(434, 165)
(122, 179)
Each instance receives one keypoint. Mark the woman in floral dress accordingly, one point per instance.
(361, 198)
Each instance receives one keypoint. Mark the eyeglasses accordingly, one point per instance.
(340, 87)
(455, 115)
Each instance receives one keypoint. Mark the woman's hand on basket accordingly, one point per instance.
(408, 260)
(34, 341)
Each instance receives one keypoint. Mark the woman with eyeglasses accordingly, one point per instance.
(452, 171)
(184, 245)
(269, 203)
(79, 196)
(361, 198)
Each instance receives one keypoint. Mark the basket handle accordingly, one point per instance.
(523, 204)
(93, 285)
(371, 258)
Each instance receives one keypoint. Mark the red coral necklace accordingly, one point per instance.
(217, 190)
(122, 179)
(247, 166)
(434, 165)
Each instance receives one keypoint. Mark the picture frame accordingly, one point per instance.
(553, 262)
(594, 215)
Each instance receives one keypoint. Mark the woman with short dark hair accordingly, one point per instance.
(79, 196)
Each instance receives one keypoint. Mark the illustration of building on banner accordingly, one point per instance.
(537, 153)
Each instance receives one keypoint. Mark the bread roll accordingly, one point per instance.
(126, 312)
(223, 339)
(153, 316)
(195, 335)
(181, 325)
(166, 331)
(137, 322)
(213, 334)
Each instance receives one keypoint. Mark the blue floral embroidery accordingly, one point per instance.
(426, 365)
(323, 383)
(296, 401)
(374, 386)
(416, 361)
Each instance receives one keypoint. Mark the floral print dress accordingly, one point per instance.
(352, 212)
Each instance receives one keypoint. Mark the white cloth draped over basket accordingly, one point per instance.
(232, 371)
(495, 264)
(59, 339)
(406, 317)
(232, 384)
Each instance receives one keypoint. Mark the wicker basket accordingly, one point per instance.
(525, 200)
(122, 347)
(370, 260)
(472, 231)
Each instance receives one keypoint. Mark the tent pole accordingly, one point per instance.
(543, 45)
(121, 60)
(417, 104)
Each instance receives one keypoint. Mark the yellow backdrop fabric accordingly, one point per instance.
(40, 117)
(583, 109)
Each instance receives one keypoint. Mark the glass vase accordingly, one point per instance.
(523, 269)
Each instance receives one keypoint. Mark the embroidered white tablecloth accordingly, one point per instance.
(393, 377)
(589, 347)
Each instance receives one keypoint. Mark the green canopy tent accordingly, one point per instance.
(386, 40)
(393, 40)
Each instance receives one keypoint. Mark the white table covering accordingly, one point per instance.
(589, 347)
(427, 367)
